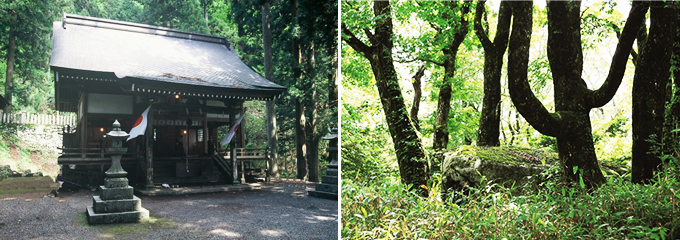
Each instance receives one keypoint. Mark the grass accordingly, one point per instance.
(381, 208)
(21, 185)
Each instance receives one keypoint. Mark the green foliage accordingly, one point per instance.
(381, 208)
(365, 157)
(309, 82)
(32, 90)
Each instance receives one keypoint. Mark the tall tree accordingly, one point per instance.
(12, 46)
(570, 124)
(300, 120)
(489, 122)
(411, 156)
(25, 28)
(272, 138)
(456, 28)
(649, 90)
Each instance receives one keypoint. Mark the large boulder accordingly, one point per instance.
(465, 166)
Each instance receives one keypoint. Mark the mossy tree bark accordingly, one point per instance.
(411, 156)
(441, 130)
(489, 123)
(649, 91)
(570, 124)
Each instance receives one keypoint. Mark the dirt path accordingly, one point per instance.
(280, 211)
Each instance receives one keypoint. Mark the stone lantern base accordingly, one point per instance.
(116, 205)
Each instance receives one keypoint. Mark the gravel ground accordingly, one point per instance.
(277, 211)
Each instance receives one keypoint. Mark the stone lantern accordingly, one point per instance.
(116, 202)
(328, 188)
(115, 176)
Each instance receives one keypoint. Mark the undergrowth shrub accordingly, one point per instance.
(619, 209)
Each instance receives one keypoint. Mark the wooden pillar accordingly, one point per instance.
(205, 135)
(148, 137)
(242, 128)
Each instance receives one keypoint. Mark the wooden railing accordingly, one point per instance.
(89, 156)
(252, 162)
(57, 119)
(248, 153)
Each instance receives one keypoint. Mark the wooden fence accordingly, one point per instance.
(56, 119)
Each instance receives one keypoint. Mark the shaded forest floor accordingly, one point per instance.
(379, 207)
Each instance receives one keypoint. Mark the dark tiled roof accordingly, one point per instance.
(152, 53)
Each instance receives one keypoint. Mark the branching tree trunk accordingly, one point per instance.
(489, 123)
(411, 156)
(649, 91)
(441, 131)
(570, 124)
(418, 93)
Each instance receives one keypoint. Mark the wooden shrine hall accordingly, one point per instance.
(106, 70)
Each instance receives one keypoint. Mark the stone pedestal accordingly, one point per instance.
(328, 188)
(116, 202)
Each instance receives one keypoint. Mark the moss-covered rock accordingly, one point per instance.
(505, 165)
(5, 172)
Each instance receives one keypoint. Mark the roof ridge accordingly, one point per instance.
(141, 28)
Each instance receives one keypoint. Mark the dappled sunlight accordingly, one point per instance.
(272, 233)
(317, 219)
(106, 236)
(225, 233)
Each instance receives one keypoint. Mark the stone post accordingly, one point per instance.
(116, 202)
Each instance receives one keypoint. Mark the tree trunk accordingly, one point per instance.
(570, 125)
(272, 138)
(649, 92)
(411, 156)
(313, 159)
(312, 130)
(441, 130)
(301, 145)
(11, 48)
(418, 92)
(300, 121)
(489, 122)
(576, 148)
(205, 10)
